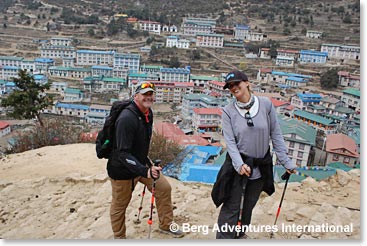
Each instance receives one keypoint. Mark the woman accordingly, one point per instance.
(249, 123)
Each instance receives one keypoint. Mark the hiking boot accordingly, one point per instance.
(177, 233)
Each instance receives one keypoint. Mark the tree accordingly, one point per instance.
(195, 55)
(91, 32)
(330, 79)
(150, 40)
(273, 52)
(28, 99)
(286, 31)
(347, 19)
(153, 52)
(112, 28)
(174, 62)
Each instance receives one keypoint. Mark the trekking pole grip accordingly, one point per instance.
(156, 164)
(285, 176)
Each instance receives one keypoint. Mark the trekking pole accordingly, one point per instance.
(141, 206)
(285, 177)
(244, 182)
(150, 221)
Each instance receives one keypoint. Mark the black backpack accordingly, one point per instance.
(105, 137)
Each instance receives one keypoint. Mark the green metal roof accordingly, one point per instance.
(90, 78)
(344, 110)
(314, 117)
(200, 77)
(305, 132)
(339, 165)
(116, 80)
(315, 106)
(211, 35)
(220, 160)
(141, 75)
(353, 92)
(356, 135)
(12, 58)
(150, 66)
(195, 96)
(72, 91)
(333, 117)
(78, 69)
(315, 174)
(128, 55)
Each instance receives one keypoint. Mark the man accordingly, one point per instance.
(130, 164)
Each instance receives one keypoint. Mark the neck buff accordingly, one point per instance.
(247, 105)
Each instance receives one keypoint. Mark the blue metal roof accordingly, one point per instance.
(274, 72)
(200, 154)
(201, 173)
(308, 97)
(175, 70)
(96, 52)
(284, 86)
(39, 76)
(101, 67)
(72, 106)
(194, 167)
(11, 67)
(313, 52)
(10, 84)
(244, 27)
(44, 60)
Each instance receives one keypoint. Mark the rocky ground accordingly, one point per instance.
(62, 192)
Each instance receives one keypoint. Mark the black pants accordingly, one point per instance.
(231, 208)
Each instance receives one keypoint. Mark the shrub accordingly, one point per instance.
(54, 132)
(164, 149)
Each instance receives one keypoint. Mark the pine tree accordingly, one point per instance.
(28, 99)
(330, 79)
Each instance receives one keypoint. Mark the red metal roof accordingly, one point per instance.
(288, 51)
(215, 82)
(217, 111)
(192, 140)
(3, 125)
(265, 70)
(341, 144)
(278, 103)
(168, 130)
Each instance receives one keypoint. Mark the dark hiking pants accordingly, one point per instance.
(230, 209)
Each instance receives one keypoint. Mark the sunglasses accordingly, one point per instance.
(250, 122)
(147, 85)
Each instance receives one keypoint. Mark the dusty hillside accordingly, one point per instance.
(62, 192)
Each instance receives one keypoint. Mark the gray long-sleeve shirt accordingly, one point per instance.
(254, 141)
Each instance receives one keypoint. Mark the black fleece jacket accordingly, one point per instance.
(131, 146)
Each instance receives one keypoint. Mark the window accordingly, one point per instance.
(291, 144)
(301, 146)
(299, 162)
(335, 157)
(290, 152)
(300, 154)
(346, 160)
